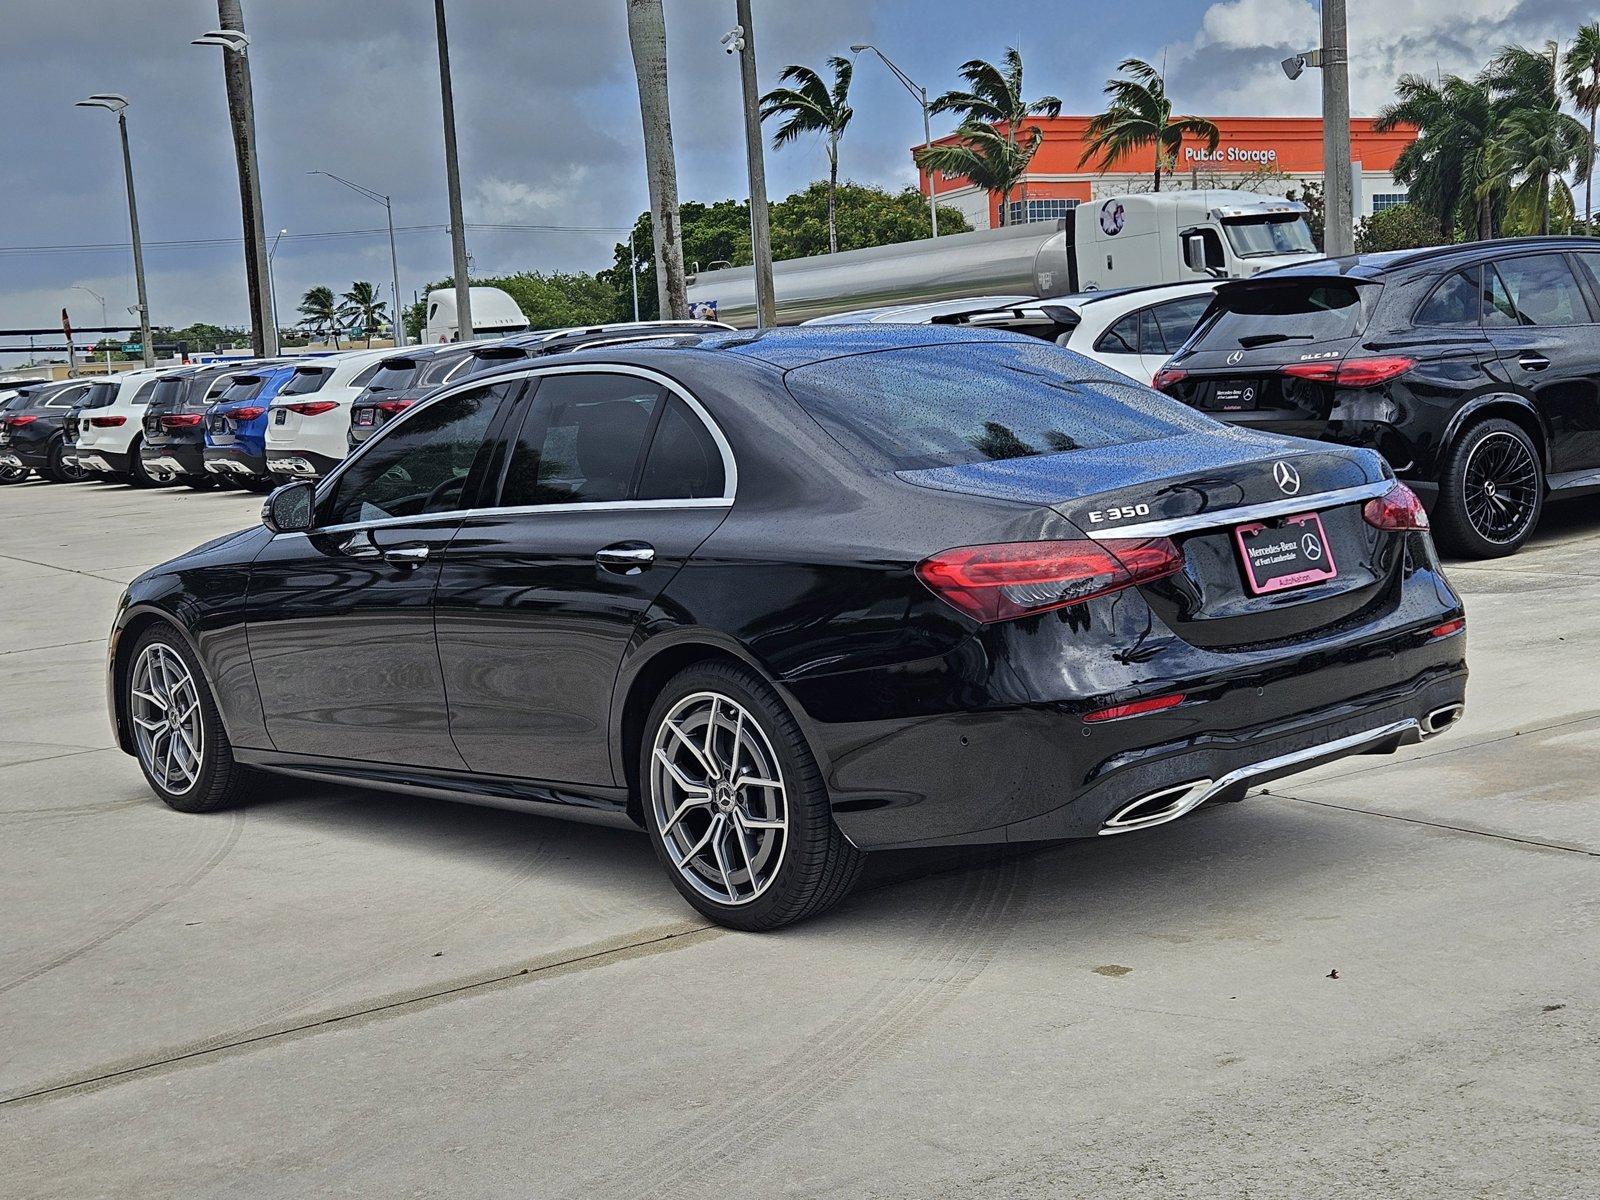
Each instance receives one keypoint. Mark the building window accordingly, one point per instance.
(1383, 200)
(1039, 210)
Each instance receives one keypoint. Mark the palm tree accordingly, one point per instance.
(1140, 114)
(813, 107)
(362, 309)
(994, 138)
(319, 312)
(1581, 79)
(1446, 166)
(647, 38)
(1536, 144)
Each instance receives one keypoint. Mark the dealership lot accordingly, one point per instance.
(337, 992)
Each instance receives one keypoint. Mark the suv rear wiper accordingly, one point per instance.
(1251, 340)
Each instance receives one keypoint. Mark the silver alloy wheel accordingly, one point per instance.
(1501, 487)
(164, 705)
(717, 798)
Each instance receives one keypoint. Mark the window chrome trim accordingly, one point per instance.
(1315, 502)
(730, 467)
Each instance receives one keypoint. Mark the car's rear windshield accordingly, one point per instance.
(243, 388)
(305, 380)
(967, 402)
(169, 391)
(394, 373)
(1312, 310)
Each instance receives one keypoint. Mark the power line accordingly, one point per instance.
(328, 235)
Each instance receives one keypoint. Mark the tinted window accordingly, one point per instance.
(243, 387)
(1454, 302)
(146, 392)
(1121, 338)
(394, 373)
(418, 465)
(929, 406)
(1544, 290)
(169, 391)
(305, 380)
(580, 440)
(1589, 264)
(365, 377)
(1178, 319)
(684, 462)
(1309, 311)
(67, 397)
(100, 395)
(1497, 306)
(442, 369)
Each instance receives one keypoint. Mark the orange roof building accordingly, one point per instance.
(1263, 154)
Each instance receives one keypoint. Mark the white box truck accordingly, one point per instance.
(1123, 241)
(494, 315)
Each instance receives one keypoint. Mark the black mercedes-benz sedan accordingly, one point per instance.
(783, 598)
(1475, 369)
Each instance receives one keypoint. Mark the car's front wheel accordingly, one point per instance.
(1491, 491)
(177, 731)
(735, 803)
(63, 469)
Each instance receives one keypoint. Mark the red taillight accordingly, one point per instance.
(17, 422)
(1017, 579)
(1397, 509)
(393, 406)
(182, 420)
(107, 422)
(1353, 372)
(248, 413)
(312, 408)
(1166, 377)
(1136, 709)
(1448, 628)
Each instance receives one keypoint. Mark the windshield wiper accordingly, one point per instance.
(1251, 340)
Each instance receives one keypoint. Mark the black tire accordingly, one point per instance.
(138, 474)
(59, 469)
(13, 474)
(1491, 491)
(220, 781)
(816, 865)
(199, 483)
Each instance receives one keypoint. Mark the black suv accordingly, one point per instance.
(1474, 369)
(33, 431)
(174, 436)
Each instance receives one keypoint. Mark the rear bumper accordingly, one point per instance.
(235, 461)
(106, 462)
(299, 464)
(174, 458)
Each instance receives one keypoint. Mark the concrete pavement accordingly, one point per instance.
(347, 993)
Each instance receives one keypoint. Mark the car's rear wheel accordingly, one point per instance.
(200, 483)
(1491, 491)
(735, 803)
(138, 474)
(12, 474)
(63, 470)
(177, 732)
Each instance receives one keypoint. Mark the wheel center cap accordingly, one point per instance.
(1488, 488)
(724, 796)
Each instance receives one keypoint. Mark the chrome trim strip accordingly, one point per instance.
(524, 510)
(1337, 748)
(1250, 512)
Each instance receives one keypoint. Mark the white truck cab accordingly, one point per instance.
(494, 314)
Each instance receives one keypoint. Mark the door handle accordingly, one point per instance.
(626, 558)
(1528, 360)
(406, 556)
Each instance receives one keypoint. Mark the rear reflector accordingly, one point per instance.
(182, 421)
(1397, 509)
(1353, 372)
(1017, 579)
(16, 422)
(1137, 709)
(1166, 377)
(248, 413)
(107, 422)
(312, 408)
(393, 406)
(1448, 628)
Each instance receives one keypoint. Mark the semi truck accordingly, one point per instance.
(1118, 242)
(494, 314)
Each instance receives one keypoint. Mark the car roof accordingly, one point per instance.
(1440, 258)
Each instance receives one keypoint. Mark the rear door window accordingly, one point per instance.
(581, 441)
(1497, 307)
(1307, 311)
(933, 406)
(1454, 303)
(683, 462)
(1175, 320)
(67, 397)
(1543, 290)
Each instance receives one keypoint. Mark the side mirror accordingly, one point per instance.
(1194, 252)
(288, 509)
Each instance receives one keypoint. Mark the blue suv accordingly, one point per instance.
(236, 428)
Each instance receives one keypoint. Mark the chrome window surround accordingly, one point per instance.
(1315, 501)
(730, 468)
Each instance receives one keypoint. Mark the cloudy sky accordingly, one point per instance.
(548, 118)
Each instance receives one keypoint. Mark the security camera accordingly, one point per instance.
(1294, 66)
(733, 40)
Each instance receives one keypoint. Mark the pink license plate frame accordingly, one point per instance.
(1311, 540)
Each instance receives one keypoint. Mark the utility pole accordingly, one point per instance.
(452, 170)
(647, 38)
(242, 118)
(744, 42)
(1339, 220)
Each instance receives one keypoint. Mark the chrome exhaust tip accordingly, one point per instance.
(1441, 719)
(1158, 808)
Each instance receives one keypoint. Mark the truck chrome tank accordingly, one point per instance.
(1031, 259)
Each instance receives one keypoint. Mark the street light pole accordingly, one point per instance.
(394, 261)
(272, 280)
(920, 95)
(103, 321)
(118, 104)
(452, 170)
(743, 42)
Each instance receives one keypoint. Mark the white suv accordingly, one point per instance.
(309, 419)
(109, 437)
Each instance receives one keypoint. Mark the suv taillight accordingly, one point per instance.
(18, 422)
(393, 406)
(1017, 579)
(182, 420)
(312, 408)
(1166, 377)
(1353, 372)
(1397, 509)
(107, 422)
(248, 413)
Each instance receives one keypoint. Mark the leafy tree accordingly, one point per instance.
(994, 142)
(1536, 145)
(1400, 227)
(1139, 115)
(1580, 79)
(319, 312)
(811, 106)
(549, 301)
(1446, 169)
(361, 308)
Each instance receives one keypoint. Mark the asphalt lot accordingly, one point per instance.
(336, 992)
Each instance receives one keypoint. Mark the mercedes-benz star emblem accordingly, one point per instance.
(1311, 546)
(1236, 358)
(1287, 478)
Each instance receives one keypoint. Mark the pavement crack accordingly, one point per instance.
(1468, 829)
(57, 645)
